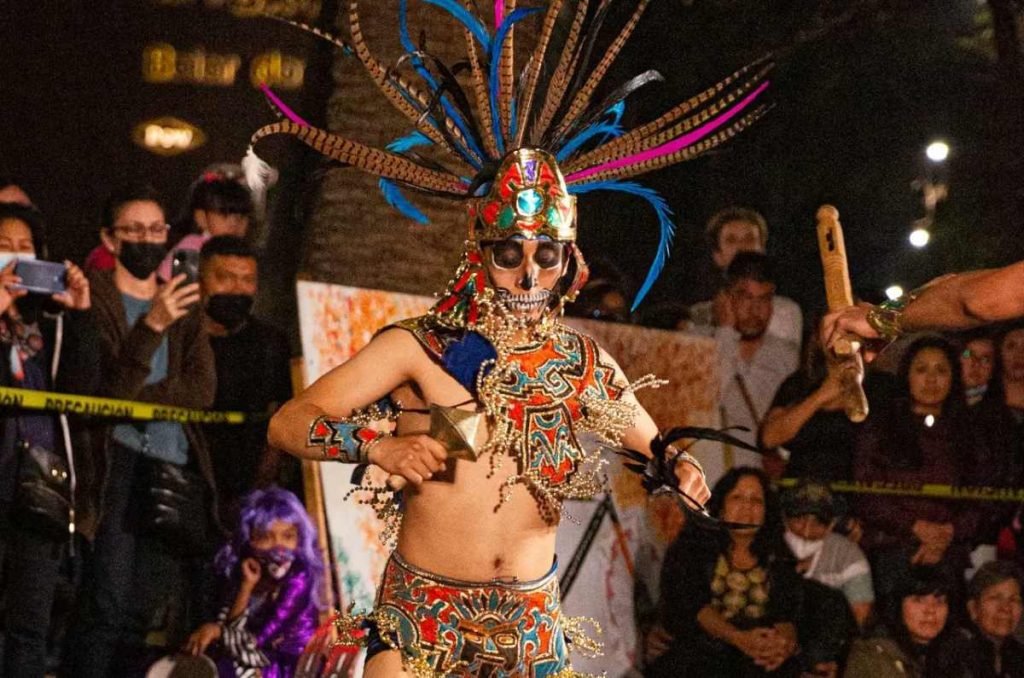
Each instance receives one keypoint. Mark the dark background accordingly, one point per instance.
(860, 88)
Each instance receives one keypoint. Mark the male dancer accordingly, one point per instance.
(489, 523)
(470, 589)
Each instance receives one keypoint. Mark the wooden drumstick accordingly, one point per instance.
(847, 358)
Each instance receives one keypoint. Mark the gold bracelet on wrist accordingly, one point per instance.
(886, 322)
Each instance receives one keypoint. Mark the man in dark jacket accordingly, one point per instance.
(253, 375)
(145, 555)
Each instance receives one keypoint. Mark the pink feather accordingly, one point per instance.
(499, 13)
(676, 144)
(281, 106)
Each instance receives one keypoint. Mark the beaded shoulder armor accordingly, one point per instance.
(538, 397)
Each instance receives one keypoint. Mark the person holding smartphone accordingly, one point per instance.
(218, 205)
(153, 349)
(37, 449)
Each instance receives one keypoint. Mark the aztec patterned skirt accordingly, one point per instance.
(449, 628)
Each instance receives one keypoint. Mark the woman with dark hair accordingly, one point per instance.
(218, 205)
(913, 619)
(924, 436)
(807, 419)
(46, 343)
(729, 599)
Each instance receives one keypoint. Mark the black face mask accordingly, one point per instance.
(141, 258)
(229, 310)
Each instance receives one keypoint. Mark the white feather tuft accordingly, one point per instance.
(260, 177)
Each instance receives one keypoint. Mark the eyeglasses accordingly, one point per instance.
(509, 254)
(155, 231)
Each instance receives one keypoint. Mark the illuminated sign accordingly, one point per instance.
(162, 63)
(288, 9)
(168, 136)
(277, 70)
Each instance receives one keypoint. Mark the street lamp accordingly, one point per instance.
(919, 237)
(937, 151)
(894, 292)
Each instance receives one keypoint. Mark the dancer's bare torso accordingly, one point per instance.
(451, 526)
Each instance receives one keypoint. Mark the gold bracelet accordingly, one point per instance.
(886, 321)
(886, 318)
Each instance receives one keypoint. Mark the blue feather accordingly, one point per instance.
(494, 56)
(408, 142)
(409, 46)
(475, 26)
(667, 227)
(395, 198)
(390, 189)
(610, 130)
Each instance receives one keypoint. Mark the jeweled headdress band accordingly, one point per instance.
(548, 111)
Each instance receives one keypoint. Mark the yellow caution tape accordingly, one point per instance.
(933, 491)
(23, 398)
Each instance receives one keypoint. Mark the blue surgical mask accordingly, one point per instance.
(8, 257)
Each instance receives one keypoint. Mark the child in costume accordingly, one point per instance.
(273, 575)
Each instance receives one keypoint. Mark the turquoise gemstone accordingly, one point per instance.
(529, 202)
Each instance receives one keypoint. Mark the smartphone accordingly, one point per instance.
(187, 262)
(42, 277)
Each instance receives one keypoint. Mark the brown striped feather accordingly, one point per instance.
(506, 74)
(530, 86)
(373, 160)
(635, 137)
(586, 92)
(684, 154)
(382, 77)
(560, 78)
(480, 93)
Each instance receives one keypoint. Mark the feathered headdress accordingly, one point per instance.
(549, 110)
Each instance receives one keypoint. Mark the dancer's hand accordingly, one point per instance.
(414, 458)
(692, 482)
(202, 637)
(852, 320)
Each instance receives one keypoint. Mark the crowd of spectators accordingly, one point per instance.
(138, 508)
(819, 584)
(860, 584)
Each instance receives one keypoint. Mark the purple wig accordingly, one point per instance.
(260, 508)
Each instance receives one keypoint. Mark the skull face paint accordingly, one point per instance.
(525, 272)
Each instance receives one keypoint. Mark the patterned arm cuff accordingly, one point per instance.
(342, 440)
(350, 439)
